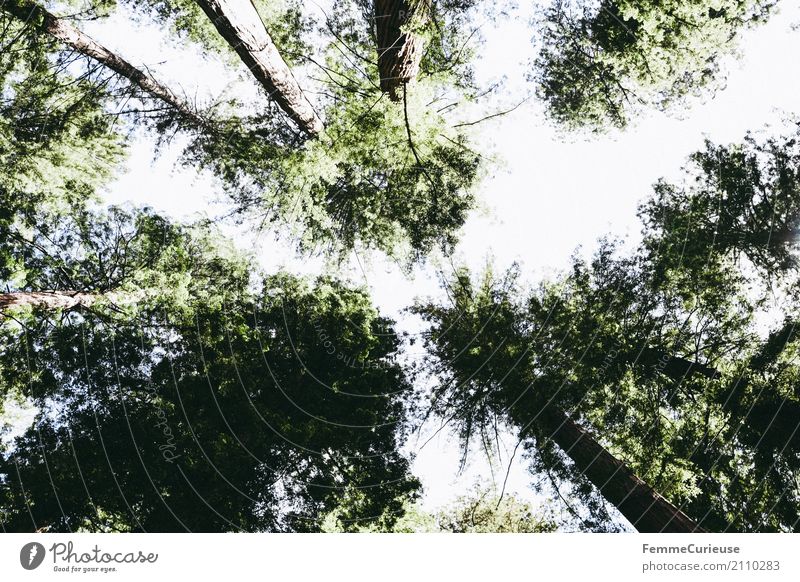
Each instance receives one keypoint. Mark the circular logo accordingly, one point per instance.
(31, 555)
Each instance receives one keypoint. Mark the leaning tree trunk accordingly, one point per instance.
(238, 22)
(770, 421)
(399, 48)
(47, 299)
(645, 508)
(31, 13)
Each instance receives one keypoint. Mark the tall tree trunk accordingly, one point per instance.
(399, 51)
(239, 24)
(775, 423)
(31, 13)
(645, 508)
(48, 299)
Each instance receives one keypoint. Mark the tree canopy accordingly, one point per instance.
(210, 402)
(602, 62)
(481, 510)
(377, 172)
(736, 208)
(658, 352)
(175, 386)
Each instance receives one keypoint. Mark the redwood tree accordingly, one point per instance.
(485, 365)
(398, 41)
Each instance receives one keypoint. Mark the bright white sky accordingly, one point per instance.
(551, 195)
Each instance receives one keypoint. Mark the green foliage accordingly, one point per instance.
(483, 510)
(398, 177)
(732, 225)
(386, 175)
(215, 406)
(142, 400)
(361, 183)
(737, 207)
(602, 62)
(668, 371)
(57, 145)
(393, 176)
(284, 20)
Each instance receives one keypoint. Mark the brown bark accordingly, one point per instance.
(399, 51)
(33, 14)
(645, 508)
(238, 22)
(48, 299)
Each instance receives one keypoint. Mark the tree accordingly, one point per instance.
(394, 176)
(138, 315)
(657, 351)
(660, 374)
(58, 147)
(482, 510)
(736, 206)
(480, 347)
(205, 405)
(32, 14)
(730, 225)
(399, 44)
(223, 427)
(601, 63)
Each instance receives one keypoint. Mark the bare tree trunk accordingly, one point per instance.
(239, 24)
(48, 299)
(399, 51)
(33, 14)
(645, 508)
(770, 420)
